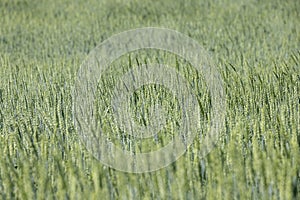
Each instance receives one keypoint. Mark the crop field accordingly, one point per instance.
(255, 46)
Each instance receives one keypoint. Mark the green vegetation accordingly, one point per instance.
(255, 45)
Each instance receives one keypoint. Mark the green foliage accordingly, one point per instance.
(255, 45)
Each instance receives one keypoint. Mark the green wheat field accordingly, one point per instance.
(255, 46)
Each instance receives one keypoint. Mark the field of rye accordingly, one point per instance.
(255, 46)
